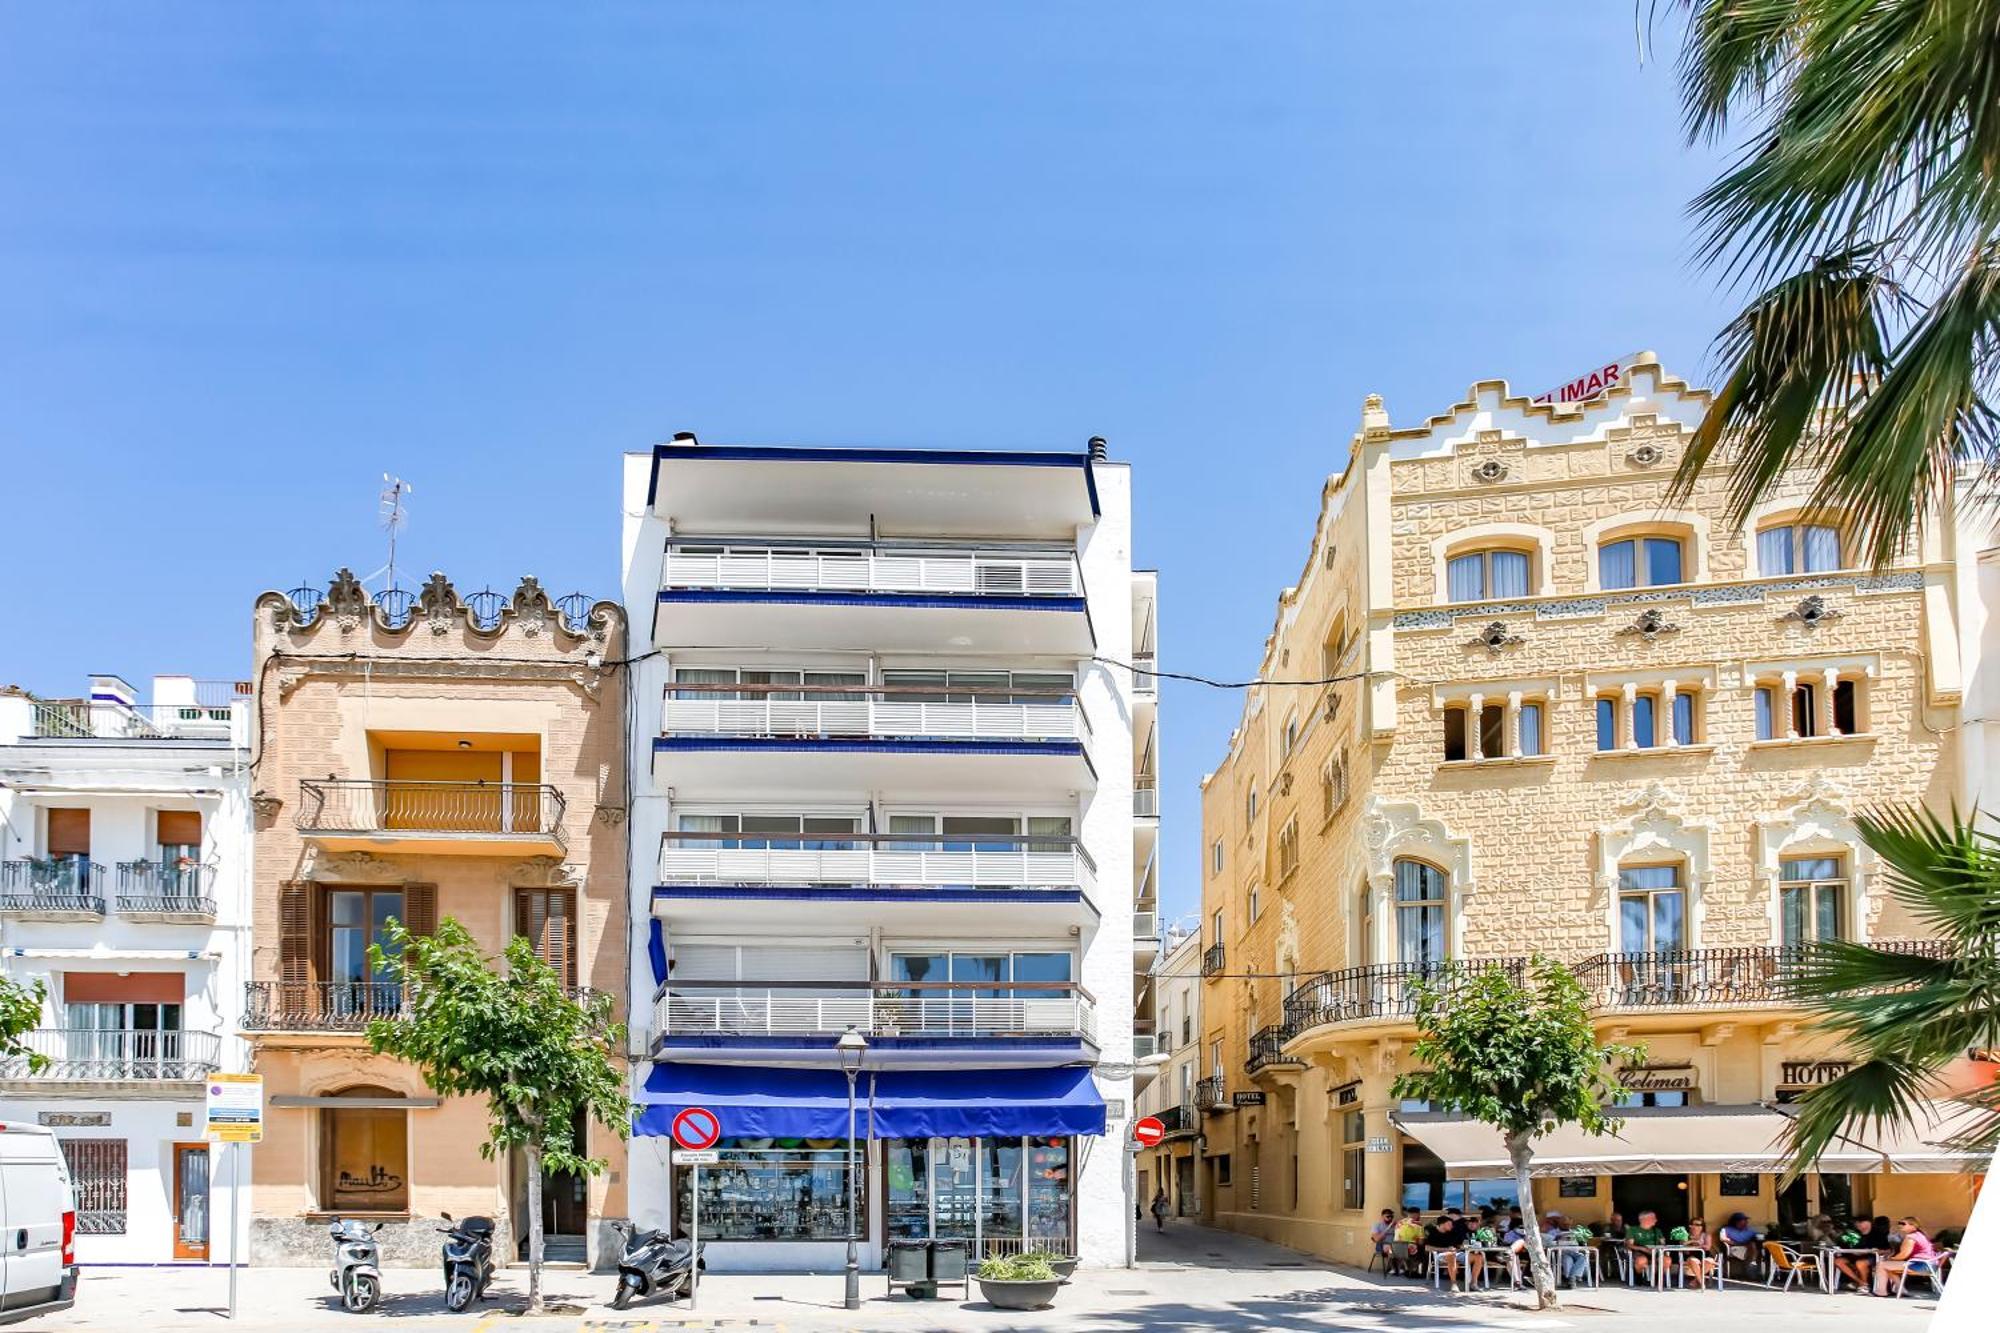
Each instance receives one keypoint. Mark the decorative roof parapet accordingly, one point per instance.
(487, 614)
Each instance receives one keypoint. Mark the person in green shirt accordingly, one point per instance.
(1637, 1238)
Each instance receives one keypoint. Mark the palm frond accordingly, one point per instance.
(1872, 1094)
(1735, 51)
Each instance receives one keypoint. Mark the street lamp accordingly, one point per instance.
(851, 1047)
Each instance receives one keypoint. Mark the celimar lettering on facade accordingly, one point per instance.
(1658, 1078)
(1590, 384)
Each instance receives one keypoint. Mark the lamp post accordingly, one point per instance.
(851, 1047)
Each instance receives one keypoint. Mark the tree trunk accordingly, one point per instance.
(534, 1227)
(1521, 1151)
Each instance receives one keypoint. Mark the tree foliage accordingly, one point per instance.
(1514, 1048)
(540, 1053)
(1863, 211)
(20, 1014)
(1906, 1014)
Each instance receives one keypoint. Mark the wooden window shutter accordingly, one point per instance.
(296, 957)
(180, 828)
(420, 908)
(547, 917)
(69, 833)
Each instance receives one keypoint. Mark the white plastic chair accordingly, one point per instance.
(1932, 1270)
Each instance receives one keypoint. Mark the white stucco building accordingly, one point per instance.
(884, 741)
(124, 891)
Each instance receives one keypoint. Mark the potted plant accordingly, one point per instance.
(1678, 1236)
(1063, 1265)
(1018, 1282)
(1580, 1236)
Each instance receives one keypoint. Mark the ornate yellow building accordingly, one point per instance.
(1572, 720)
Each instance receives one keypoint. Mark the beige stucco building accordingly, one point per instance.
(422, 757)
(1570, 718)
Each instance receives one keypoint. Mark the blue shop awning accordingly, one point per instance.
(769, 1102)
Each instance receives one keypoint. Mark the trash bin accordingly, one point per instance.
(950, 1264)
(906, 1261)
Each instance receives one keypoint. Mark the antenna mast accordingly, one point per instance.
(393, 516)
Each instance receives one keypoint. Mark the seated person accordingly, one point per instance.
(1856, 1267)
(1637, 1238)
(1914, 1245)
(1822, 1230)
(1705, 1265)
(1383, 1237)
(1614, 1227)
(1740, 1241)
(1572, 1265)
(1409, 1242)
(1448, 1237)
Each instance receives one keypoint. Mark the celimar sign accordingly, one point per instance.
(1591, 383)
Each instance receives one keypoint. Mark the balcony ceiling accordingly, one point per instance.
(903, 492)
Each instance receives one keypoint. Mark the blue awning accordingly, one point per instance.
(769, 1102)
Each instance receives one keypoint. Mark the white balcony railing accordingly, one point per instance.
(746, 1012)
(1146, 928)
(1144, 683)
(878, 715)
(1146, 800)
(860, 858)
(874, 569)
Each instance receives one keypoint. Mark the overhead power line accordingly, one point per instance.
(1235, 684)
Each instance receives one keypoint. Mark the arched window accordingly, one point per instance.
(1499, 571)
(1420, 913)
(1642, 562)
(365, 1154)
(1793, 546)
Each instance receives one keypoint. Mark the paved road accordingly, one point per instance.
(1189, 1278)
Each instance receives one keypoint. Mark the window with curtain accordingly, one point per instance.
(1640, 562)
(1802, 704)
(1530, 724)
(1652, 909)
(1812, 897)
(1607, 723)
(1798, 548)
(1476, 575)
(1420, 913)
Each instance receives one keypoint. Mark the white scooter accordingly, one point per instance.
(357, 1264)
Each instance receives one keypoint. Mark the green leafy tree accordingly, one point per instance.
(537, 1051)
(1863, 213)
(1906, 1014)
(20, 1014)
(1515, 1049)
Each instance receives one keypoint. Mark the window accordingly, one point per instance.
(997, 975)
(1812, 898)
(1250, 809)
(1799, 712)
(1334, 650)
(97, 1175)
(1288, 847)
(121, 1039)
(1332, 785)
(1798, 548)
(1353, 1157)
(1655, 719)
(1215, 1060)
(355, 919)
(1481, 574)
(1652, 909)
(793, 1191)
(1215, 933)
(1364, 926)
(985, 687)
(1640, 562)
(1254, 902)
(713, 682)
(1420, 913)
(1655, 1097)
(1607, 722)
(1489, 729)
(546, 918)
(1529, 722)
(1215, 858)
(1290, 740)
(365, 1155)
(1221, 1169)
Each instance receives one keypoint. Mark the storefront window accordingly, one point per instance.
(1048, 1187)
(1425, 1186)
(907, 1167)
(978, 1188)
(366, 1155)
(772, 1189)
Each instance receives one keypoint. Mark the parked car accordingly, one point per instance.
(38, 1223)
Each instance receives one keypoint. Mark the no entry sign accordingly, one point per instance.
(697, 1128)
(1148, 1131)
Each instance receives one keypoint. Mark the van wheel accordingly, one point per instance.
(361, 1294)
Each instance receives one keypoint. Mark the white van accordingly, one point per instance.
(37, 1224)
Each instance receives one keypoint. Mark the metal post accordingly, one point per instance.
(853, 1259)
(1132, 1200)
(235, 1206)
(694, 1238)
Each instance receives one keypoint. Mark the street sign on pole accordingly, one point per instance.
(696, 1128)
(697, 1156)
(234, 1111)
(1148, 1130)
(696, 1131)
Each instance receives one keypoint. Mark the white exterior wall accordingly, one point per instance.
(1976, 574)
(121, 784)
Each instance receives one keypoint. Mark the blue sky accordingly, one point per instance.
(253, 256)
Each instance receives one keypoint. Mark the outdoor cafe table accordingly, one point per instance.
(1593, 1261)
(1663, 1257)
(1829, 1269)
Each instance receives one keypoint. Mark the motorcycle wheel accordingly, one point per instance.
(459, 1294)
(361, 1294)
(621, 1297)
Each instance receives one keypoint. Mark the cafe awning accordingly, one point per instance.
(1674, 1140)
(1922, 1148)
(774, 1102)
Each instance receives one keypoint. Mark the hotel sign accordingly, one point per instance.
(1590, 384)
(1658, 1078)
(1247, 1099)
(1810, 1073)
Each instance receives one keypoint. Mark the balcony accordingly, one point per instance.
(98, 1055)
(1385, 992)
(1212, 962)
(1145, 799)
(439, 818)
(319, 1006)
(55, 888)
(1145, 933)
(1178, 1120)
(1145, 685)
(721, 739)
(166, 892)
(1756, 976)
(895, 598)
(1267, 1050)
(1210, 1095)
(798, 1022)
(1146, 1046)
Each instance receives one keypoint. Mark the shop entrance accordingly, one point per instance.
(191, 1200)
(565, 1208)
(1665, 1195)
(1185, 1202)
(997, 1194)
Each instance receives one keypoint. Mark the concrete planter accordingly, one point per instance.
(1063, 1268)
(1002, 1295)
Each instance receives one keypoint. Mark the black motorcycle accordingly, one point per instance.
(468, 1261)
(653, 1265)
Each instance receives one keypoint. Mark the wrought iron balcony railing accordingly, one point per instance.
(510, 810)
(1178, 1119)
(981, 861)
(320, 1006)
(165, 889)
(884, 712)
(828, 1008)
(1384, 990)
(873, 569)
(1267, 1049)
(1212, 961)
(1209, 1094)
(52, 884)
(1706, 978)
(106, 1055)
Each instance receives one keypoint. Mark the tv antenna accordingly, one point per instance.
(394, 515)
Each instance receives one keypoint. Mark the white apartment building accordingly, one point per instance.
(1172, 1072)
(124, 891)
(884, 754)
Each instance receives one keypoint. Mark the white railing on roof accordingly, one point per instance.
(861, 858)
(1058, 719)
(106, 719)
(873, 569)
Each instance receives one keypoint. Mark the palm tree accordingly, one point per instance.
(1864, 213)
(1906, 1014)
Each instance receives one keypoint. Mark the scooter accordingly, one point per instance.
(357, 1264)
(653, 1265)
(468, 1261)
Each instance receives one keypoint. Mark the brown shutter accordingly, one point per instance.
(69, 833)
(180, 828)
(296, 956)
(547, 917)
(420, 908)
(124, 988)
